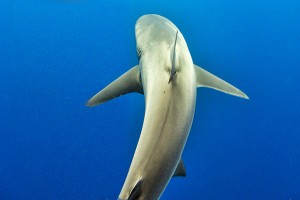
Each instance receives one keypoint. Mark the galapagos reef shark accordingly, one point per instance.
(168, 78)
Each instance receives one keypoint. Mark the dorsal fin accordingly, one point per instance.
(173, 71)
(128, 82)
(136, 191)
(180, 169)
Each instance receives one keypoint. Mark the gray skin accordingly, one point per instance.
(170, 106)
(168, 78)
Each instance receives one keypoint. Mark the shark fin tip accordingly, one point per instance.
(246, 97)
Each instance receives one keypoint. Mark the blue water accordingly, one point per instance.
(54, 55)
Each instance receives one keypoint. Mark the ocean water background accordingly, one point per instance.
(54, 55)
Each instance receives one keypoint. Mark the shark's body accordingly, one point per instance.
(168, 78)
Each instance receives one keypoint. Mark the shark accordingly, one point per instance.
(168, 79)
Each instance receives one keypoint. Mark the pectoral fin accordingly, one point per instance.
(128, 82)
(180, 170)
(206, 79)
